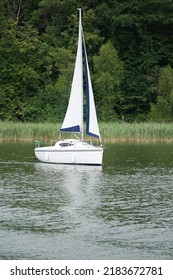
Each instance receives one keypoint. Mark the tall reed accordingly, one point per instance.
(111, 132)
(137, 132)
(16, 131)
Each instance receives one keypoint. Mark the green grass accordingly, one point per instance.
(110, 132)
(28, 132)
(137, 132)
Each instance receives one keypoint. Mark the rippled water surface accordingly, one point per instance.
(122, 210)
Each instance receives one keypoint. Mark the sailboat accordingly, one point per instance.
(77, 151)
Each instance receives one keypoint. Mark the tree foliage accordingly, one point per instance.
(162, 110)
(108, 78)
(129, 44)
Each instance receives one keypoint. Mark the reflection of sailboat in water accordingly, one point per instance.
(73, 151)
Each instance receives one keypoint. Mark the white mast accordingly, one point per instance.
(80, 42)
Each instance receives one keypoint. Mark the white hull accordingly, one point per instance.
(70, 152)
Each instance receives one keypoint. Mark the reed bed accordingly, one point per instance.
(137, 132)
(113, 132)
(27, 132)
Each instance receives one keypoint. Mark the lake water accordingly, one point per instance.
(122, 210)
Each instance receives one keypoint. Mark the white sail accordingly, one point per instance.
(73, 120)
(74, 116)
(92, 127)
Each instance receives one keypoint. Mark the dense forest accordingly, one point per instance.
(130, 51)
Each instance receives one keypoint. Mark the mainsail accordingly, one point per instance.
(73, 121)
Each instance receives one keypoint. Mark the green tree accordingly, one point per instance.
(34, 34)
(28, 64)
(50, 102)
(142, 32)
(108, 78)
(162, 110)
